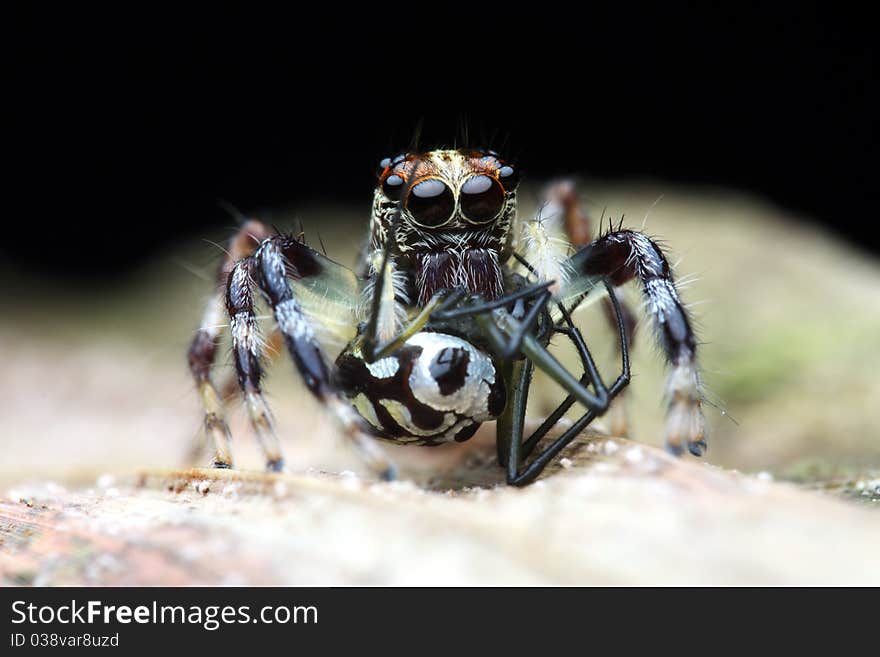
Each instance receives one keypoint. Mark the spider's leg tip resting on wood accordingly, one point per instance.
(275, 465)
(389, 473)
(698, 448)
(685, 423)
(201, 354)
(685, 427)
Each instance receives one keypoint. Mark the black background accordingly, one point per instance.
(126, 129)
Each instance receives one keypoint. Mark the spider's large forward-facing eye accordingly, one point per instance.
(482, 198)
(431, 203)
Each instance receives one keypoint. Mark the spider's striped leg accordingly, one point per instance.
(201, 356)
(275, 260)
(618, 423)
(562, 199)
(203, 349)
(247, 353)
(590, 371)
(622, 256)
(273, 343)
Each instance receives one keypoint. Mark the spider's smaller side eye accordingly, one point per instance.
(430, 203)
(482, 198)
(391, 178)
(509, 177)
(392, 186)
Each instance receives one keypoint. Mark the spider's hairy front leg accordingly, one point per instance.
(275, 260)
(625, 255)
(247, 353)
(273, 344)
(203, 349)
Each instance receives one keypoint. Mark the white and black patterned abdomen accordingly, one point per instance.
(436, 388)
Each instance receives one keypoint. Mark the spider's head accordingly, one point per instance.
(449, 190)
(447, 211)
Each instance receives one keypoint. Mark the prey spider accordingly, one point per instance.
(453, 306)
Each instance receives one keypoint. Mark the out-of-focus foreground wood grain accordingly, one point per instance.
(616, 513)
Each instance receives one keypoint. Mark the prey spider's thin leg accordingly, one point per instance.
(525, 326)
(622, 256)
(439, 308)
(545, 361)
(485, 306)
(535, 468)
(511, 447)
(551, 420)
(509, 347)
(509, 430)
(573, 334)
(274, 261)
(510, 425)
(203, 349)
(618, 313)
(618, 387)
(562, 200)
(625, 374)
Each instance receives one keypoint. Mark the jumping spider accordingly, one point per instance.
(453, 306)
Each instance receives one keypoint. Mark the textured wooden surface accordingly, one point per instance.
(615, 512)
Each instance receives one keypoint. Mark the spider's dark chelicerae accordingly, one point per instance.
(453, 305)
